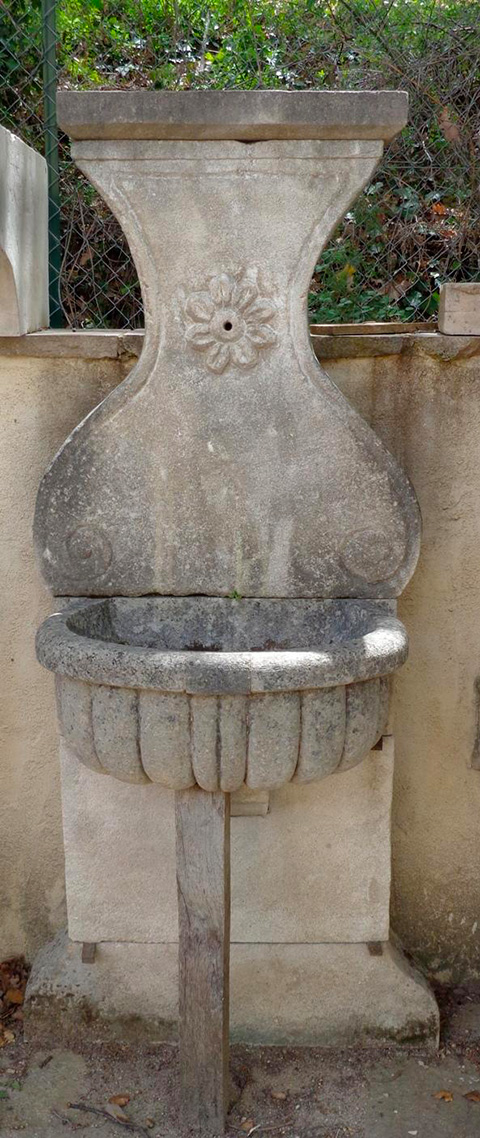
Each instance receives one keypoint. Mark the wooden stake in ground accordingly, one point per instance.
(203, 882)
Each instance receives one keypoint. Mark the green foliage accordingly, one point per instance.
(20, 53)
(419, 222)
(247, 43)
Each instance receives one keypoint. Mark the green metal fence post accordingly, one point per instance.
(49, 31)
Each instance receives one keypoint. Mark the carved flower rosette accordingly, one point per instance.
(230, 322)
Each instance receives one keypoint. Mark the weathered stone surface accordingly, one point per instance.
(244, 716)
(437, 794)
(227, 461)
(23, 237)
(122, 344)
(233, 742)
(280, 994)
(268, 487)
(84, 344)
(273, 740)
(316, 867)
(324, 716)
(115, 732)
(247, 115)
(245, 803)
(415, 347)
(362, 721)
(187, 643)
(164, 739)
(74, 708)
(459, 309)
(328, 994)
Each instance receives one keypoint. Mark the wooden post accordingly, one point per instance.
(203, 883)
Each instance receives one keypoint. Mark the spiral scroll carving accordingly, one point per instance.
(373, 555)
(90, 550)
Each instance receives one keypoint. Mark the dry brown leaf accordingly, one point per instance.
(115, 1111)
(119, 1100)
(6, 1036)
(14, 996)
(449, 129)
(445, 1096)
(397, 288)
(281, 1095)
(247, 1125)
(149, 1122)
(473, 1096)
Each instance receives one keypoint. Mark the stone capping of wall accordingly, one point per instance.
(100, 344)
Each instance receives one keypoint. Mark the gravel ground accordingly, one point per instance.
(374, 1092)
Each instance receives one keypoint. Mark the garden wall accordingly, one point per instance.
(421, 393)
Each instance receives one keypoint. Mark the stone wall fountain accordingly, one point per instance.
(229, 532)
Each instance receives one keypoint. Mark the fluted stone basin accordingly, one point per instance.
(222, 692)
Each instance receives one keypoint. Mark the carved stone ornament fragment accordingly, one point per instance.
(230, 321)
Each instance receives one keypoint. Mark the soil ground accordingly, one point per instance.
(373, 1092)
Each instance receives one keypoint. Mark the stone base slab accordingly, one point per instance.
(281, 994)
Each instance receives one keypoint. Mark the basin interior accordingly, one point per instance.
(222, 624)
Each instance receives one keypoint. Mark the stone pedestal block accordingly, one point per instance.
(311, 962)
(459, 309)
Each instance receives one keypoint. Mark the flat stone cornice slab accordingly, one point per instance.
(247, 116)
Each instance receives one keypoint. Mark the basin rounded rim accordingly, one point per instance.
(381, 650)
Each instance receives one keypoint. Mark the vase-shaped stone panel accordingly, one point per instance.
(227, 462)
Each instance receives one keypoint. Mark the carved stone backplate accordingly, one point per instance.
(227, 462)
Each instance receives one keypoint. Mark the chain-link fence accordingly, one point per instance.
(417, 224)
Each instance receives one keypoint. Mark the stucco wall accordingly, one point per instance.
(425, 404)
(422, 395)
(41, 400)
